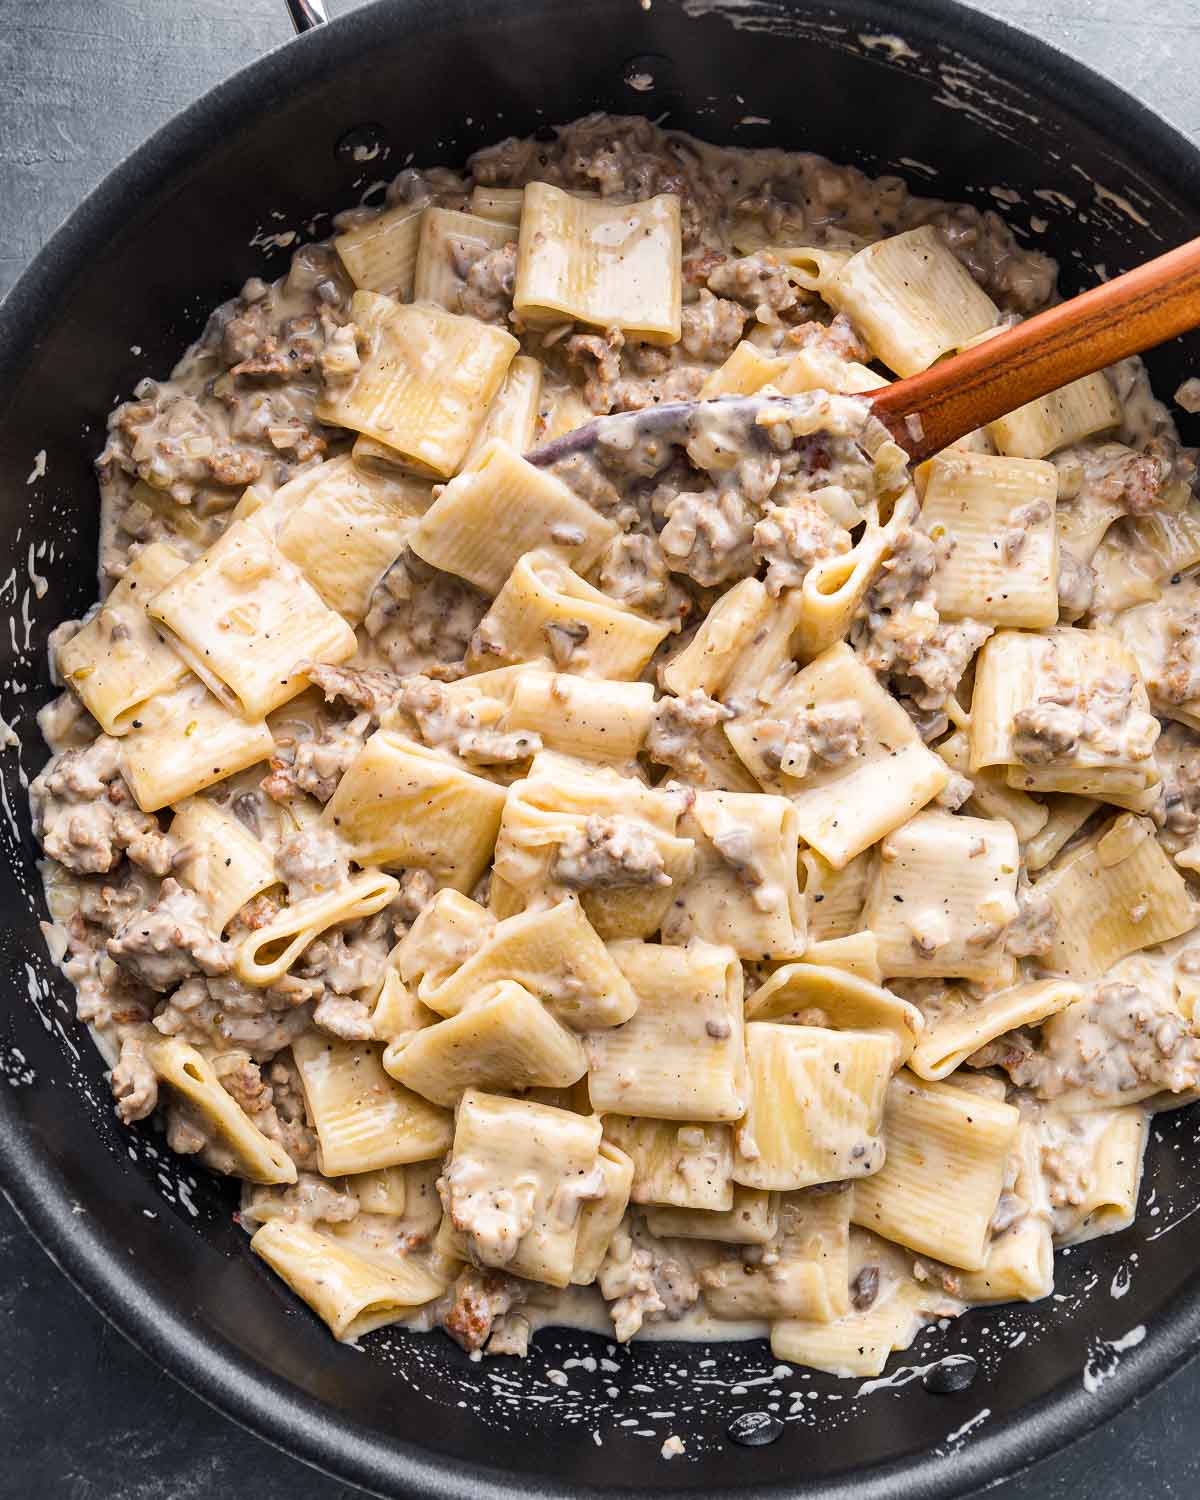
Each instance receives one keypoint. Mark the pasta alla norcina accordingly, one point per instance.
(714, 885)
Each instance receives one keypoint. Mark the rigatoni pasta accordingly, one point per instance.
(244, 616)
(381, 254)
(118, 661)
(425, 384)
(815, 1106)
(364, 1120)
(546, 609)
(844, 753)
(936, 1135)
(577, 854)
(911, 297)
(499, 509)
(994, 516)
(610, 265)
(682, 1054)
(351, 1294)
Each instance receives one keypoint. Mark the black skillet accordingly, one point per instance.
(956, 103)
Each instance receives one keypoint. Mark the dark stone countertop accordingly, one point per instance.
(83, 1416)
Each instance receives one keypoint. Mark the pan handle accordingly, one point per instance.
(307, 14)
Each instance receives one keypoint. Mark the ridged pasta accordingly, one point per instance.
(1020, 1259)
(396, 1012)
(910, 298)
(845, 807)
(858, 1344)
(244, 616)
(1109, 1202)
(515, 1184)
(600, 1217)
(446, 933)
(445, 233)
(938, 1136)
(545, 608)
(711, 656)
(835, 589)
(677, 1166)
(1066, 816)
(381, 255)
(681, 1055)
(753, 1220)
(942, 897)
(835, 896)
(856, 953)
(404, 805)
(513, 415)
(364, 1120)
(1077, 411)
(555, 954)
(186, 1070)
(500, 203)
(505, 1039)
(501, 508)
(745, 371)
(347, 530)
(813, 994)
(611, 265)
(569, 819)
(993, 517)
(1113, 894)
(582, 716)
(963, 1027)
(117, 661)
(991, 795)
(744, 888)
(351, 1294)
(221, 859)
(1017, 671)
(803, 1274)
(425, 383)
(816, 1105)
(266, 954)
(184, 741)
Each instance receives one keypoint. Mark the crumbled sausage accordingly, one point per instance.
(711, 326)
(643, 1281)
(85, 817)
(828, 734)
(422, 619)
(759, 282)
(607, 852)
(169, 940)
(1035, 927)
(791, 538)
(313, 767)
(223, 1012)
(1098, 712)
(463, 726)
(475, 1302)
(311, 863)
(709, 535)
(679, 729)
(488, 285)
(1121, 1038)
(134, 1082)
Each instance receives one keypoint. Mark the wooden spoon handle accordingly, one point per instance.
(1132, 312)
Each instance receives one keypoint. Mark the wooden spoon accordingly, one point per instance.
(927, 412)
